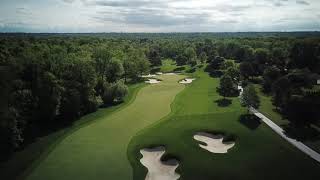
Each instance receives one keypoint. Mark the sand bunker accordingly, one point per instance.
(213, 143)
(187, 81)
(159, 73)
(158, 170)
(153, 81)
(148, 76)
(169, 73)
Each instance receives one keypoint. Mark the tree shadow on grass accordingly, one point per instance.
(179, 69)
(302, 133)
(192, 70)
(155, 70)
(223, 102)
(250, 121)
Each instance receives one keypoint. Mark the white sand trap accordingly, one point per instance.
(170, 73)
(213, 143)
(148, 76)
(153, 81)
(158, 170)
(159, 73)
(187, 81)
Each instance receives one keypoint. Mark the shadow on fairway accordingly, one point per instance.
(250, 121)
(223, 102)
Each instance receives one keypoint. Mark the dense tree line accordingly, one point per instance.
(49, 83)
(51, 80)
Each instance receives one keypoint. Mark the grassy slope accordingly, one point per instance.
(168, 65)
(267, 108)
(258, 154)
(19, 163)
(98, 150)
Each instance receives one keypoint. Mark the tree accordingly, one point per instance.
(190, 56)
(120, 91)
(249, 97)
(114, 70)
(154, 56)
(227, 87)
(270, 75)
(135, 64)
(114, 92)
(262, 56)
(246, 70)
(306, 54)
(203, 57)
(102, 57)
(234, 73)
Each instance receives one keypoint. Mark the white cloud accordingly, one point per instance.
(160, 15)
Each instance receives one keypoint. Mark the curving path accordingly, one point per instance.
(99, 151)
(302, 147)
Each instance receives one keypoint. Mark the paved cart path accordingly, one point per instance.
(313, 154)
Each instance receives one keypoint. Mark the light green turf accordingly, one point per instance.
(98, 150)
(169, 65)
(259, 153)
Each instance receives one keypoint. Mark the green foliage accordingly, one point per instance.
(114, 92)
(234, 73)
(227, 86)
(249, 97)
(270, 75)
(246, 70)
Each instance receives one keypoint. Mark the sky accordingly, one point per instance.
(84, 16)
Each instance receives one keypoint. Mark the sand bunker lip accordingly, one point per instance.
(157, 169)
(148, 76)
(214, 143)
(152, 81)
(187, 81)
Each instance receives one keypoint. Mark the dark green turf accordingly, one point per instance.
(258, 153)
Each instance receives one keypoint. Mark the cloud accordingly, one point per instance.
(302, 2)
(160, 15)
(151, 17)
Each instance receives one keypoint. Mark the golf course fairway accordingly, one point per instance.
(99, 150)
(258, 152)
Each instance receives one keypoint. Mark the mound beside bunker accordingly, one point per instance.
(157, 169)
(214, 143)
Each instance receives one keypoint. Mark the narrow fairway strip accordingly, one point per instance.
(99, 150)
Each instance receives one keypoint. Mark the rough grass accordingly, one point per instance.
(98, 150)
(268, 109)
(258, 154)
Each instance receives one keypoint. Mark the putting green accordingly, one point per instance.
(99, 150)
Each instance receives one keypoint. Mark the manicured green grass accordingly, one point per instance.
(98, 150)
(24, 160)
(168, 65)
(258, 153)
